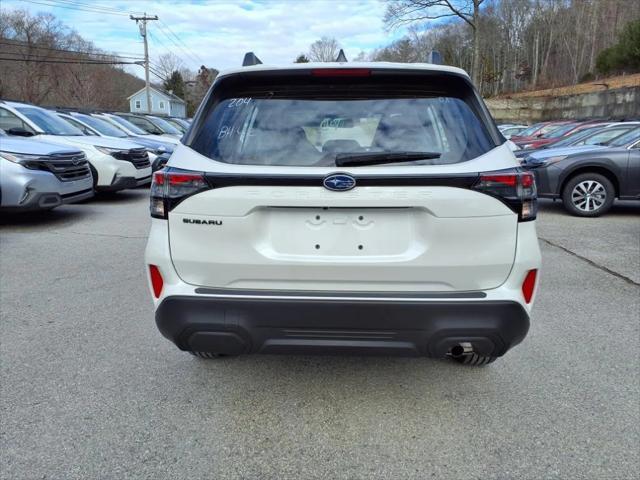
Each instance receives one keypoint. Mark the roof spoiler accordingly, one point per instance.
(250, 59)
(342, 58)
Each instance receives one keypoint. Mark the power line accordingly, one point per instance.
(156, 73)
(184, 53)
(77, 62)
(181, 41)
(77, 52)
(96, 8)
(36, 56)
(92, 6)
(161, 42)
(57, 5)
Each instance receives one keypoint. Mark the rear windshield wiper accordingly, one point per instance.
(380, 158)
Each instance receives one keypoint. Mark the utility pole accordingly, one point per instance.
(143, 32)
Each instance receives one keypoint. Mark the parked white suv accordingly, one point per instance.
(333, 208)
(115, 164)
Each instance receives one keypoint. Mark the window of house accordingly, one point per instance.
(161, 105)
(138, 105)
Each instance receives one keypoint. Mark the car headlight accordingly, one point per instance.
(552, 160)
(544, 162)
(19, 157)
(160, 151)
(109, 151)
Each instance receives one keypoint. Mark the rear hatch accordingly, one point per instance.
(302, 185)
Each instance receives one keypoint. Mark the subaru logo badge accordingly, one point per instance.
(339, 182)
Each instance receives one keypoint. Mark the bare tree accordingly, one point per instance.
(168, 63)
(324, 50)
(43, 61)
(402, 12)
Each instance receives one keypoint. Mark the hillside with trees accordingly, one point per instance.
(43, 61)
(515, 45)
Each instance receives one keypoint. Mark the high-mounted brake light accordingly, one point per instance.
(170, 187)
(529, 285)
(515, 188)
(341, 72)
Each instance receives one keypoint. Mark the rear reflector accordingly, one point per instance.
(156, 280)
(341, 72)
(529, 285)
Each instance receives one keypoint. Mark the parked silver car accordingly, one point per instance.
(37, 175)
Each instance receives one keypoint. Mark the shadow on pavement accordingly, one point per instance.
(43, 218)
(119, 197)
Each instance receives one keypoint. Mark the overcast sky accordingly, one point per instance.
(217, 33)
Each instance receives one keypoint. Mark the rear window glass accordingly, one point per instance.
(49, 122)
(572, 138)
(558, 132)
(530, 131)
(603, 136)
(102, 126)
(263, 130)
(625, 139)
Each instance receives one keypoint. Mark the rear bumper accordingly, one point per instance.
(366, 325)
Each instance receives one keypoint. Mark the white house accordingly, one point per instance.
(162, 103)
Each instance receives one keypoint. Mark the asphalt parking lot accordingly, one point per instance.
(90, 389)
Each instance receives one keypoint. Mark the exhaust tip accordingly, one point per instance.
(461, 350)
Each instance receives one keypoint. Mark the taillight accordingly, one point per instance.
(170, 187)
(517, 189)
(529, 285)
(156, 280)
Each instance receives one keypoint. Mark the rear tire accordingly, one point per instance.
(475, 360)
(588, 195)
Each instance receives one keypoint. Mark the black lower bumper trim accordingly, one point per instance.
(36, 201)
(286, 325)
(119, 183)
(77, 196)
(143, 181)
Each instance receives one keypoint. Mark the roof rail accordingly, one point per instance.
(434, 58)
(250, 59)
(341, 57)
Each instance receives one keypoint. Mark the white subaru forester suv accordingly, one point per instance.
(326, 208)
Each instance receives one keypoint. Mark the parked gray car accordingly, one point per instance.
(37, 175)
(589, 182)
(152, 124)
